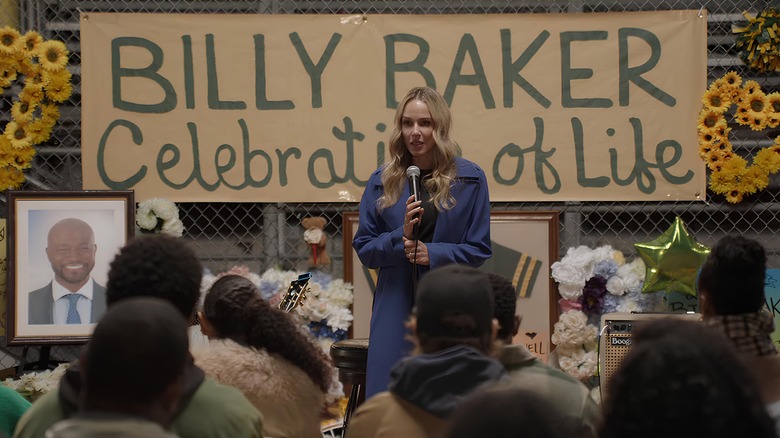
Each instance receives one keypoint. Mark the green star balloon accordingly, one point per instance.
(672, 261)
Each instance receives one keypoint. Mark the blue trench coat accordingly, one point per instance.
(462, 236)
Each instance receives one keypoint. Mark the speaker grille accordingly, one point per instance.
(616, 346)
(615, 340)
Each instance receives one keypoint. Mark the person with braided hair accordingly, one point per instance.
(261, 351)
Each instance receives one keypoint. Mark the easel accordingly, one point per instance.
(40, 365)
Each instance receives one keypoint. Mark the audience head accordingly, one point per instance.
(505, 297)
(135, 359)
(454, 307)
(157, 266)
(233, 309)
(683, 379)
(509, 412)
(732, 278)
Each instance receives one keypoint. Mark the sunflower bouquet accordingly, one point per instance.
(41, 66)
(731, 175)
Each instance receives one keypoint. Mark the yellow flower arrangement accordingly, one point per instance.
(731, 176)
(41, 65)
(758, 41)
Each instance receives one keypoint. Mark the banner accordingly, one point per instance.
(299, 108)
(772, 297)
(3, 279)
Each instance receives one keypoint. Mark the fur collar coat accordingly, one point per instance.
(291, 403)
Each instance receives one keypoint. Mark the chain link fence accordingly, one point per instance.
(262, 235)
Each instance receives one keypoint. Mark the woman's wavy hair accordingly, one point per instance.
(236, 310)
(444, 169)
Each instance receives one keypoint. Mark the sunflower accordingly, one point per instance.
(10, 178)
(714, 159)
(5, 79)
(722, 130)
(755, 179)
(49, 77)
(6, 157)
(22, 157)
(734, 196)
(39, 130)
(750, 87)
(708, 119)
(704, 150)
(721, 181)
(52, 55)
(31, 93)
(728, 178)
(732, 79)
(9, 66)
(768, 159)
(50, 113)
(30, 41)
(18, 135)
(58, 87)
(716, 99)
(757, 121)
(23, 110)
(757, 102)
(27, 65)
(9, 38)
(736, 165)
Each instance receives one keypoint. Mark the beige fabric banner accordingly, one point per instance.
(299, 108)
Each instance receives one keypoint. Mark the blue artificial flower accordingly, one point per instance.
(605, 268)
(610, 303)
(321, 278)
(268, 289)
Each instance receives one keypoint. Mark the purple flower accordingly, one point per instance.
(592, 298)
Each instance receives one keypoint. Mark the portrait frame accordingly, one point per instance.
(531, 234)
(31, 214)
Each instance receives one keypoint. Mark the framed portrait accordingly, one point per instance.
(60, 245)
(525, 244)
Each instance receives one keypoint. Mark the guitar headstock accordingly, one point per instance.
(296, 293)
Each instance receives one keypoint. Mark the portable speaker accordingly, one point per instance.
(615, 342)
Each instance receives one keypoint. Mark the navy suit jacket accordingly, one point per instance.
(41, 305)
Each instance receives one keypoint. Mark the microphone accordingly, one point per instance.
(413, 173)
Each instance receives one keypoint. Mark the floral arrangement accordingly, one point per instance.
(731, 176)
(758, 41)
(41, 65)
(592, 282)
(159, 215)
(326, 312)
(33, 385)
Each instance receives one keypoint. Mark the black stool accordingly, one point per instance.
(350, 357)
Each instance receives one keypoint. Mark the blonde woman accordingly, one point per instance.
(451, 221)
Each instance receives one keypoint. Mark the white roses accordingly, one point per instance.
(152, 211)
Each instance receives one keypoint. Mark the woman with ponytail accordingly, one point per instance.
(261, 351)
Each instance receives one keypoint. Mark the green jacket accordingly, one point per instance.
(567, 393)
(12, 406)
(213, 410)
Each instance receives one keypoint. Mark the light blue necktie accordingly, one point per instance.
(73, 313)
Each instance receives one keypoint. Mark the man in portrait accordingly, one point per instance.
(72, 297)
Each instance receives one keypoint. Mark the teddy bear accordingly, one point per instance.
(316, 238)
